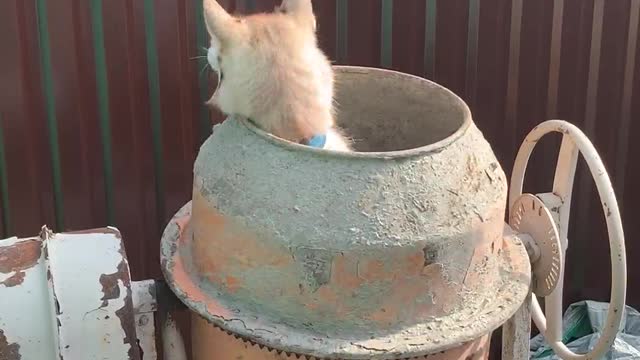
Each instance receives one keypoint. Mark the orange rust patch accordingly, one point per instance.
(14, 280)
(311, 306)
(327, 295)
(20, 256)
(519, 264)
(414, 263)
(478, 267)
(382, 316)
(233, 284)
(413, 282)
(344, 274)
(191, 290)
(182, 223)
(372, 270)
(224, 249)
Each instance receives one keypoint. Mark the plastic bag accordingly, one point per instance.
(582, 324)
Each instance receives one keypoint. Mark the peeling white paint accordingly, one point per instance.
(144, 305)
(145, 331)
(25, 316)
(57, 309)
(143, 294)
(88, 329)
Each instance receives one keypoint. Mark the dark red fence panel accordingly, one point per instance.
(101, 103)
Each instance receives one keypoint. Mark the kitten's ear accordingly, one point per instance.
(301, 9)
(219, 22)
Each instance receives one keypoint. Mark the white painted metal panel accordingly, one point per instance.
(67, 296)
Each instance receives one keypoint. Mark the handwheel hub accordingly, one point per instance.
(530, 216)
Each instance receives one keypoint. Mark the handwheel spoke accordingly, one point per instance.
(553, 310)
(562, 189)
(563, 183)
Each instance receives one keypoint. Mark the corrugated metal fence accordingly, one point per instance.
(102, 116)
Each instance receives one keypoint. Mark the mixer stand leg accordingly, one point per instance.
(516, 333)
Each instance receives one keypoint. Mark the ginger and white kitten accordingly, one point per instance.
(272, 71)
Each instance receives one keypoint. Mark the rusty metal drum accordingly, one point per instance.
(396, 250)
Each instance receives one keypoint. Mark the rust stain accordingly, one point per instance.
(20, 256)
(14, 280)
(372, 270)
(191, 290)
(413, 264)
(8, 351)
(17, 258)
(326, 295)
(413, 278)
(215, 237)
(518, 264)
(194, 293)
(111, 291)
(233, 284)
(109, 282)
(344, 273)
(127, 316)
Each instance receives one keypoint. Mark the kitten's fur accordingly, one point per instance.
(273, 72)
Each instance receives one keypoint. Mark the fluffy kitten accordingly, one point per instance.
(272, 71)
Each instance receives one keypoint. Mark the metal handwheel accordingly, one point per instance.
(530, 215)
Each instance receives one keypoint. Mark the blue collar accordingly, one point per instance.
(317, 141)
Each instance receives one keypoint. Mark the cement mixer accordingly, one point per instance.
(399, 250)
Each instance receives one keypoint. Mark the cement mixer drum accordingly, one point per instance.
(398, 249)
